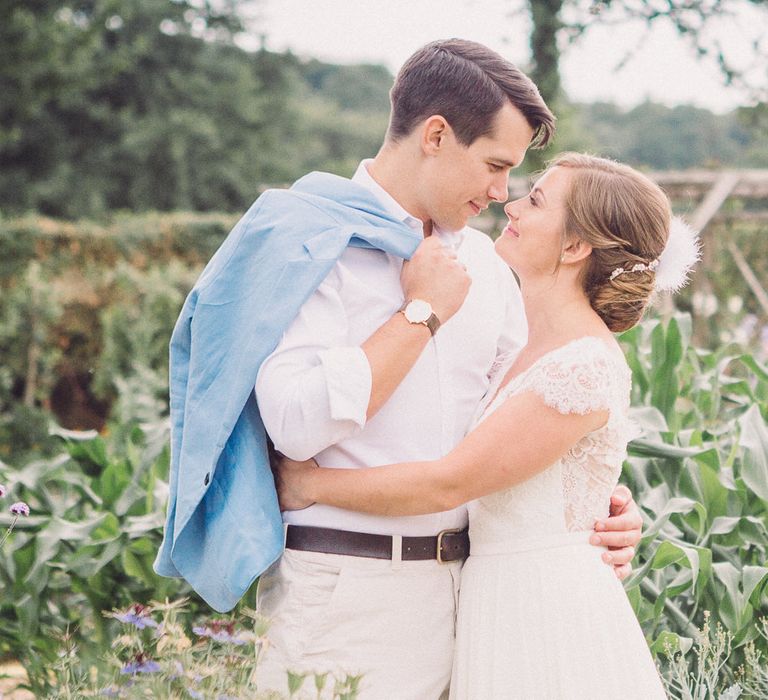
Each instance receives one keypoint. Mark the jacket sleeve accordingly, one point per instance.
(313, 390)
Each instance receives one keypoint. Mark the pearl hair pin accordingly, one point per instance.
(673, 266)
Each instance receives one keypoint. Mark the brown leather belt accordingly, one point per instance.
(446, 546)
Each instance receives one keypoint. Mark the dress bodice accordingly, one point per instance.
(584, 375)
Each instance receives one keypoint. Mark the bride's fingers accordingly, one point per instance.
(623, 538)
(621, 498)
(619, 557)
(631, 520)
(622, 571)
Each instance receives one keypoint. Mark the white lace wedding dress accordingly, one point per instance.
(541, 616)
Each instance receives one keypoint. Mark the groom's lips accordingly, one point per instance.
(476, 208)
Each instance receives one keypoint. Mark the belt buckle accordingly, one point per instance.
(440, 536)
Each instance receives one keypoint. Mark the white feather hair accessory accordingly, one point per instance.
(673, 266)
(682, 252)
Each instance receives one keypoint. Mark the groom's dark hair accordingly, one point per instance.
(466, 83)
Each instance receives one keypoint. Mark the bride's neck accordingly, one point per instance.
(554, 308)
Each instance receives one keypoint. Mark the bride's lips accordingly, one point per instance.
(509, 231)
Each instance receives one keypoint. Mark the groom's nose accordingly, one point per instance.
(499, 189)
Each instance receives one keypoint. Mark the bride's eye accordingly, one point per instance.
(532, 200)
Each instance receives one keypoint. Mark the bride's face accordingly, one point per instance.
(531, 242)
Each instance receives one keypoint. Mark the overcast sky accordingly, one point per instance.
(388, 31)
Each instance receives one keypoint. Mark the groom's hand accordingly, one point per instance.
(620, 532)
(435, 274)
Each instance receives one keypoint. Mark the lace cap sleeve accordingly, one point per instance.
(579, 378)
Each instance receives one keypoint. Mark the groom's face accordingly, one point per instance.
(462, 180)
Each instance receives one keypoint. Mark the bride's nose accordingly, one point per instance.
(510, 210)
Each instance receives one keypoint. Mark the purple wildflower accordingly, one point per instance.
(2, 491)
(20, 508)
(197, 695)
(178, 670)
(220, 631)
(136, 615)
(140, 664)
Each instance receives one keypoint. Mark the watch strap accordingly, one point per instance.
(433, 323)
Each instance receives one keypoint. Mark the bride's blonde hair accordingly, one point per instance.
(625, 217)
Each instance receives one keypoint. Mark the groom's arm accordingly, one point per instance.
(317, 388)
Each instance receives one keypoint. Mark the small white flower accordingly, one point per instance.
(735, 304)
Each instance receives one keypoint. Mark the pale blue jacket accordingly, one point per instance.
(223, 527)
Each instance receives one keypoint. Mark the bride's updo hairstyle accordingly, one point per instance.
(625, 217)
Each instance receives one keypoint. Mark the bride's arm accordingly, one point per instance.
(521, 438)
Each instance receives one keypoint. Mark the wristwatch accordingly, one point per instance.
(420, 311)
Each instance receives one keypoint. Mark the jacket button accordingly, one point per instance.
(207, 479)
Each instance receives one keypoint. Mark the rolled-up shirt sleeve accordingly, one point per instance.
(314, 389)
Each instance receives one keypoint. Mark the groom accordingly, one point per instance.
(383, 366)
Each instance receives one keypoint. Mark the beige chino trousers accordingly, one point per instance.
(393, 622)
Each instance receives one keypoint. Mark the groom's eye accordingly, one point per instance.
(496, 168)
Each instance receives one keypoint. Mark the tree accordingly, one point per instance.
(147, 104)
(569, 20)
(120, 103)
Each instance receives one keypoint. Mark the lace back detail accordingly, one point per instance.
(583, 376)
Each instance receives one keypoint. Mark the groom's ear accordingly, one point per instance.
(434, 131)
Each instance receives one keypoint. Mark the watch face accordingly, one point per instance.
(418, 311)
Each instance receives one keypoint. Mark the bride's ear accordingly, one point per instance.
(576, 250)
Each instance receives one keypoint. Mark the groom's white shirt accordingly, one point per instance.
(313, 391)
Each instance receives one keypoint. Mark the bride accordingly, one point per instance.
(541, 616)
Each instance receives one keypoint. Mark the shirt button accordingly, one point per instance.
(207, 479)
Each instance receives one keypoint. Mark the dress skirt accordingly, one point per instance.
(547, 619)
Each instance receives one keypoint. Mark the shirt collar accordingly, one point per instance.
(452, 239)
(363, 177)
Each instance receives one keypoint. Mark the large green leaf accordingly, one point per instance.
(754, 578)
(759, 369)
(667, 553)
(114, 478)
(666, 354)
(652, 448)
(675, 505)
(754, 443)
(722, 525)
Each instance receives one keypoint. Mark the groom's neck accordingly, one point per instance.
(394, 169)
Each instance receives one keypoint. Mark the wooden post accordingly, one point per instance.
(709, 206)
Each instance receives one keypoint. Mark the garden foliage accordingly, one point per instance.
(700, 474)
(86, 311)
(82, 305)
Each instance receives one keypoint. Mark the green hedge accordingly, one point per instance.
(83, 304)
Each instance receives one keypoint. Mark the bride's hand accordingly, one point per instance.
(289, 480)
